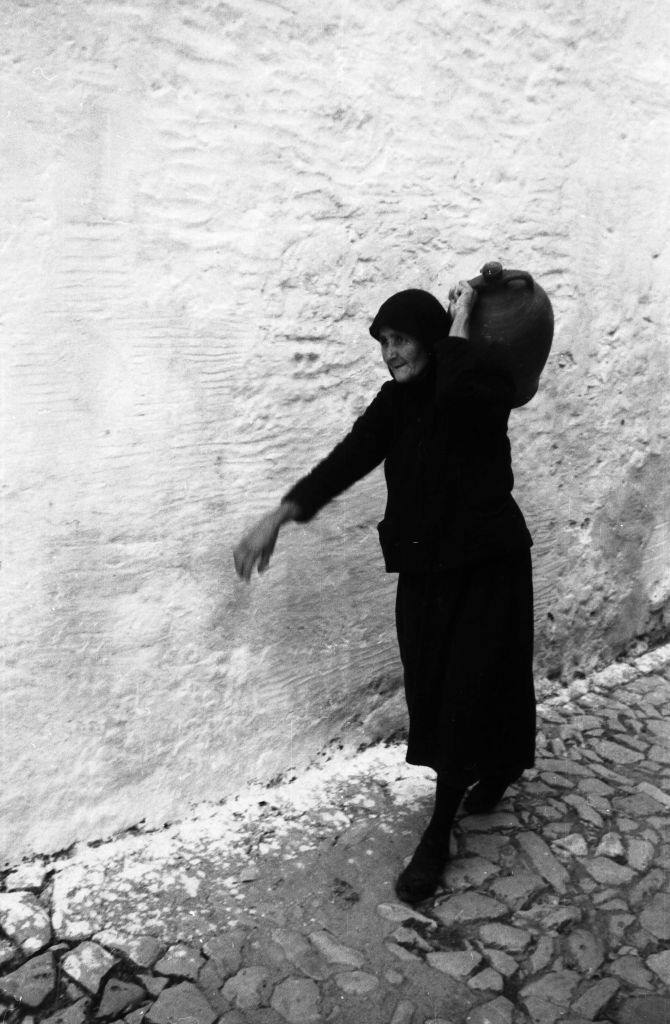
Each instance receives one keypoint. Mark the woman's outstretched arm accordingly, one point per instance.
(363, 448)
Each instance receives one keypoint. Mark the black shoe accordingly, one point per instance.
(422, 875)
(485, 796)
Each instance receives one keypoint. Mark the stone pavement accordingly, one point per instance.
(278, 906)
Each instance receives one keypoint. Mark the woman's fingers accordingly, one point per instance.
(238, 558)
(459, 289)
(248, 566)
(244, 558)
(462, 294)
(241, 566)
(264, 559)
(247, 554)
(266, 554)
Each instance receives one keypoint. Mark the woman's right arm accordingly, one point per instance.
(462, 383)
(363, 448)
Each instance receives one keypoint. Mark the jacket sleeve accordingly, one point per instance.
(356, 455)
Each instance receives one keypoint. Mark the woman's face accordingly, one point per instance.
(405, 357)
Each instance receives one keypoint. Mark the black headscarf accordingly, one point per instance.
(416, 313)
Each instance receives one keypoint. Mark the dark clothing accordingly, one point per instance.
(443, 439)
(466, 643)
(460, 543)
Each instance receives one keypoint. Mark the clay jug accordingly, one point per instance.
(512, 327)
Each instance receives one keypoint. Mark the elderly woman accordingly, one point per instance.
(461, 548)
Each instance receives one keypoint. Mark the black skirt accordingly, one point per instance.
(466, 644)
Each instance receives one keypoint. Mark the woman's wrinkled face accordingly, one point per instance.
(405, 357)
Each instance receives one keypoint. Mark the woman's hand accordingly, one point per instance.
(258, 544)
(462, 298)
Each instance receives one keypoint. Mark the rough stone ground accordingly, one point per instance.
(279, 906)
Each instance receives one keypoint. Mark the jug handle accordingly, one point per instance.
(493, 274)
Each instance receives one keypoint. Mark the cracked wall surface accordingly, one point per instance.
(203, 206)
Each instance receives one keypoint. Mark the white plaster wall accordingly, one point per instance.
(202, 206)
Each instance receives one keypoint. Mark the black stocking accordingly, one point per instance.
(422, 875)
(447, 802)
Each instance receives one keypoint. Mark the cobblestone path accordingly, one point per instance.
(279, 907)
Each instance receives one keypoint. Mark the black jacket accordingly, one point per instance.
(447, 460)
